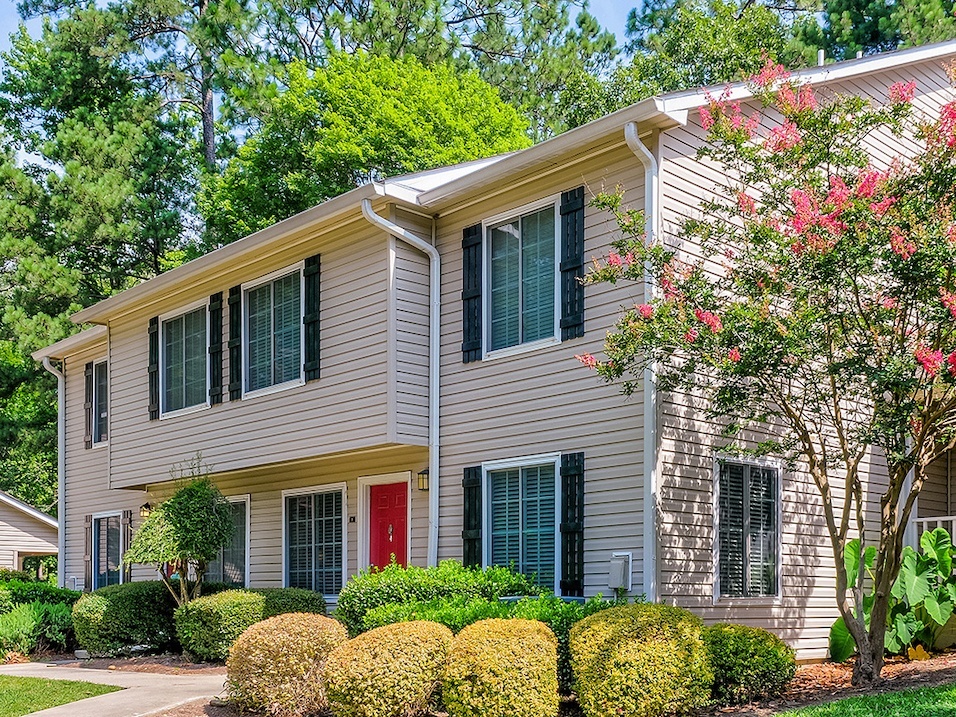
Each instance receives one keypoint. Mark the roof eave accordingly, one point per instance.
(71, 344)
(28, 509)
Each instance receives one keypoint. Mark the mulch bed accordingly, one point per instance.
(814, 684)
(158, 664)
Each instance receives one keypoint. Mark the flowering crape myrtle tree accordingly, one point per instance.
(823, 313)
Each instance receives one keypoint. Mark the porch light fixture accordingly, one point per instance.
(144, 510)
(423, 479)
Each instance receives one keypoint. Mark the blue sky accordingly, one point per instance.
(612, 13)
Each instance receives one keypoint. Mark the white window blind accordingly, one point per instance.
(274, 332)
(522, 505)
(314, 542)
(185, 352)
(230, 566)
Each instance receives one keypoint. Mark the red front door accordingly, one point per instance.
(388, 524)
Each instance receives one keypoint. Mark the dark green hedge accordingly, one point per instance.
(748, 662)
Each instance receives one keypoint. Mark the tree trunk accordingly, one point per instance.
(207, 99)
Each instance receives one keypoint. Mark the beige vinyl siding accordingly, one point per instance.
(342, 411)
(936, 499)
(544, 401)
(21, 535)
(408, 333)
(688, 441)
(87, 476)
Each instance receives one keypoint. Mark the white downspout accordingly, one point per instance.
(652, 218)
(60, 469)
(434, 317)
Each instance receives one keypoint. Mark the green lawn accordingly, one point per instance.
(23, 695)
(924, 702)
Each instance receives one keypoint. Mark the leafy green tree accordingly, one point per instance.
(356, 119)
(823, 314)
(185, 532)
(685, 45)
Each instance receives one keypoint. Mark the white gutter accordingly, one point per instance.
(434, 316)
(60, 468)
(652, 219)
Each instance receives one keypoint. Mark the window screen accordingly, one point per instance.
(185, 352)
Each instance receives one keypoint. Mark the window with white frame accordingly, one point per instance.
(273, 331)
(101, 393)
(521, 518)
(748, 535)
(107, 558)
(231, 564)
(185, 361)
(315, 540)
(522, 286)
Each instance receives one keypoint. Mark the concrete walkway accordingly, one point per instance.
(144, 693)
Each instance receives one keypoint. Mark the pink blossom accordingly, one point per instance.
(711, 320)
(797, 247)
(770, 73)
(951, 360)
(587, 359)
(951, 234)
(931, 360)
(645, 310)
(839, 194)
(691, 336)
(882, 207)
(947, 124)
(949, 301)
(901, 245)
(869, 181)
(901, 93)
(734, 354)
(796, 100)
(888, 302)
(746, 203)
(629, 258)
(784, 137)
(614, 259)
(706, 118)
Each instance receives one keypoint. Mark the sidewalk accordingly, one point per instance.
(145, 693)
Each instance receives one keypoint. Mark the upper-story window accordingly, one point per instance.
(97, 400)
(521, 279)
(748, 530)
(273, 337)
(185, 361)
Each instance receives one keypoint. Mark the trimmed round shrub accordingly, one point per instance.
(391, 671)
(397, 584)
(639, 660)
(207, 626)
(502, 668)
(748, 662)
(115, 618)
(276, 666)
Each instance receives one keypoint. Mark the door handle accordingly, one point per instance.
(390, 531)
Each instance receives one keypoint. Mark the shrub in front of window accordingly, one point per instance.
(391, 671)
(747, 662)
(502, 668)
(117, 617)
(208, 626)
(395, 584)
(640, 660)
(276, 666)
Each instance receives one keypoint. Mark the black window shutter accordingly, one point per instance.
(471, 524)
(154, 368)
(215, 348)
(126, 537)
(87, 553)
(88, 406)
(471, 294)
(235, 343)
(310, 322)
(572, 524)
(572, 264)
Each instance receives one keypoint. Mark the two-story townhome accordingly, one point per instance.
(392, 374)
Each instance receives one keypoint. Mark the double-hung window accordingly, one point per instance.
(231, 564)
(273, 333)
(748, 530)
(315, 539)
(107, 560)
(101, 411)
(185, 361)
(522, 517)
(522, 279)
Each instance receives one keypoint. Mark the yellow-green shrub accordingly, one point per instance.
(390, 671)
(276, 665)
(639, 660)
(502, 668)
